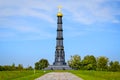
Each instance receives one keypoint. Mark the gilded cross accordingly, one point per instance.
(59, 8)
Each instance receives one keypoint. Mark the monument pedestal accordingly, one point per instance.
(55, 67)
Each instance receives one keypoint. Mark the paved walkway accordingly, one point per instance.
(59, 76)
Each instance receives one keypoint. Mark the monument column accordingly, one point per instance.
(59, 63)
(59, 53)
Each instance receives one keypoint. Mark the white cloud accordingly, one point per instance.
(25, 33)
(116, 21)
(6, 34)
(85, 12)
(92, 11)
(19, 26)
(20, 30)
(26, 12)
(25, 8)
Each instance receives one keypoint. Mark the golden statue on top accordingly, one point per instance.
(59, 11)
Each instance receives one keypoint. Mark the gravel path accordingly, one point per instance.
(59, 76)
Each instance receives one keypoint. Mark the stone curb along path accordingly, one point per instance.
(59, 76)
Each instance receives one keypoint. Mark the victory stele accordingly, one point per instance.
(59, 61)
(59, 11)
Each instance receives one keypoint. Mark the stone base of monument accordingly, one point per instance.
(56, 67)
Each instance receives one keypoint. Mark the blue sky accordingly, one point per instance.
(28, 29)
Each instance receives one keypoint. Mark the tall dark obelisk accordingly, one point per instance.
(59, 53)
(59, 63)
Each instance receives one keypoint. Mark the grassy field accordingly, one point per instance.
(21, 75)
(97, 75)
(86, 75)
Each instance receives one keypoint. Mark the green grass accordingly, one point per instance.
(21, 75)
(86, 75)
(96, 75)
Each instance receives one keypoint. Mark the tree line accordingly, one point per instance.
(90, 62)
(41, 64)
(13, 67)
